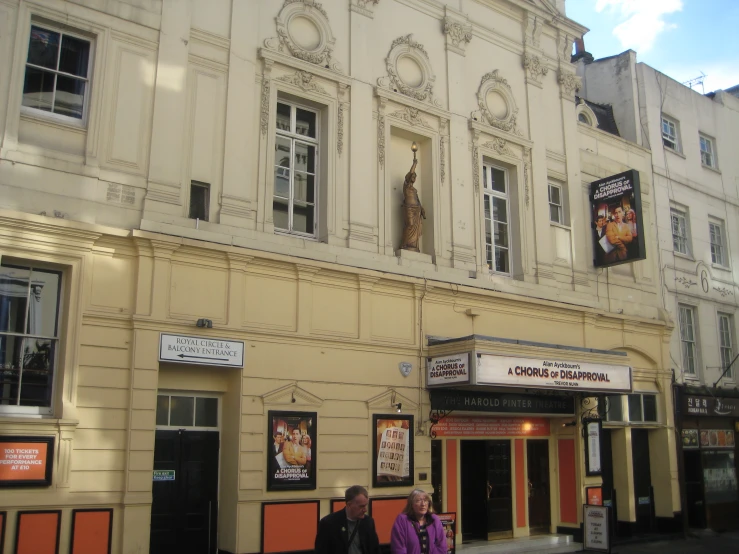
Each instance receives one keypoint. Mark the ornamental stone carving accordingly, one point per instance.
(409, 71)
(304, 32)
(364, 7)
(497, 104)
(534, 27)
(411, 116)
(569, 83)
(458, 35)
(304, 81)
(535, 66)
(499, 146)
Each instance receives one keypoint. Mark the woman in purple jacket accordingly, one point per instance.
(417, 530)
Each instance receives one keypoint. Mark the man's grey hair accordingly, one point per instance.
(354, 491)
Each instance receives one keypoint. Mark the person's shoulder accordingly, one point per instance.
(334, 517)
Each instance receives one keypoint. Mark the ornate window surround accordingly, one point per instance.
(514, 153)
(406, 47)
(493, 82)
(583, 108)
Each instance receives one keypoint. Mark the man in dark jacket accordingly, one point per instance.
(351, 530)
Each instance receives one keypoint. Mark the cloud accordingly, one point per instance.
(642, 20)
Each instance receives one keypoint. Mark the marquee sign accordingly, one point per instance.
(543, 373)
(448, 370)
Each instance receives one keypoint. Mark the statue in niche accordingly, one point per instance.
(412, 209)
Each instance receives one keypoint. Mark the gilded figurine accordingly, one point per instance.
(412, 209)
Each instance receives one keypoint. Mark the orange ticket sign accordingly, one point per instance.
(26, 461)
(595, 496)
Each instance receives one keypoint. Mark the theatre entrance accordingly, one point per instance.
(487, 502)
(184, 509)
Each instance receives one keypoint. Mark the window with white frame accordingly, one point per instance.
(726, 342)
(556, 210)
(642, 408)
(296, 169)
(688, 342)
(707, 155)
(716, 237)
(30, 300)
(680, 237)
(57, 75)
(497, 218)
(669, 134)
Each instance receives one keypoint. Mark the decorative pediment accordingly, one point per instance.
(584, 112)
(409, 71)
(411, 116)
(365, 7)
(497, 104)
(291, 394)
(500, 147)
(304, 32)
(305, 81)
(388, 399)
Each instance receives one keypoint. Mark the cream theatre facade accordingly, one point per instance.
(208, 328)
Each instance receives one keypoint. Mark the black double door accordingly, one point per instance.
(487, 501)
(642, 481)
(537, 454)
(184, 510)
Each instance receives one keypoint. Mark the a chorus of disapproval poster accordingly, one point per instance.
(618, 227)
(393, 450)
(291, 450)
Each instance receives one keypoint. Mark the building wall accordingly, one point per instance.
(184, 91)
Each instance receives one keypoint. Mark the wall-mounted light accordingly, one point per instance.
(570, 424)
(207, 323)
(292, 398)
(398, 407)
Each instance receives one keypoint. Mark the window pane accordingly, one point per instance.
(37, 372)
(500, 209)
(554, 195)
(283, 117)
(304, 187)
(11, 349)
(305, 123)
(38, 89)
(650, 407)
(162, 410)
(181, 411)
(199, 196)
(305, 157)
(615, 410)
(303, 218)
(501, 260)
(43, 47)
(44, 303)
(13, 298)
(280, 214)
(70, 96)
(635, 413)
(498, 177)
(554, 213)
(206, 412)
(74, 56)
(501, 234)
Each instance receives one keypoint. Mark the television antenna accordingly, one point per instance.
(696, 81)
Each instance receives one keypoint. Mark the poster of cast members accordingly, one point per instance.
(291, 452)
(618, 231)
(393, 451)
(449, 521)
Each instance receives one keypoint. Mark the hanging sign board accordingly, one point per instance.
(186, 349)
(448, 370)
(595, 528)
(592, 447)
(542, 373)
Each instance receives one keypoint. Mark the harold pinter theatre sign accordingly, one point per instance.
(544, 373)
(186, 349)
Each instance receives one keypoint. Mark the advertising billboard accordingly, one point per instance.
(617, 223)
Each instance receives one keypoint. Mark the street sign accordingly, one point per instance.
(185, 349)
(163, 475)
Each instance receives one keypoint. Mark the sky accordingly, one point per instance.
(681, 38)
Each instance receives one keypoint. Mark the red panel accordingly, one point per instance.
(337, 504)
(384, 512)
(289, 527)
(451, 475)
(91, 532)
(38, 533)
(567, 481)
(483, 426)
(521, 488)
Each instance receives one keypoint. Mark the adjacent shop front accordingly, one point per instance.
(709, 420)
